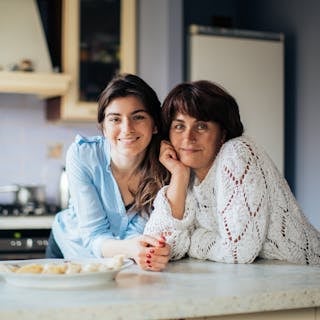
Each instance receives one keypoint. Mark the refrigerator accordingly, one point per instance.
(250, 66)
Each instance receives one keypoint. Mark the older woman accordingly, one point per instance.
(226, 200)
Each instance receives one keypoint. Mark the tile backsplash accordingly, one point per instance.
(32, 150)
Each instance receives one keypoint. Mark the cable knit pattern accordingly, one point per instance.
(242, 209)
(177, 232)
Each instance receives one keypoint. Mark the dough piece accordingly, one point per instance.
(73, 267)
(53, 268)
(30, 268)
(8, 268)
(114, 263)
(105, 267)
(90, 267)
(117, 261)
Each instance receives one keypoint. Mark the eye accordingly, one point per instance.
(139, 117)
(202, 126)
(177, 126)
(114, 119)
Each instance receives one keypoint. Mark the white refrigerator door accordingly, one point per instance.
(252, 71)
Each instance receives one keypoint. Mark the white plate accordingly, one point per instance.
(61, 281)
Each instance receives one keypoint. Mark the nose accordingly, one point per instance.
(190, 135)
(127, 125)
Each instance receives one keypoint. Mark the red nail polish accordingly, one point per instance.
(151, 251)
(148, 255)
(148, 261)
(163, 237)
(161, 243)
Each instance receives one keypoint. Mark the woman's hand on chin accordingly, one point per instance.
(169, 159)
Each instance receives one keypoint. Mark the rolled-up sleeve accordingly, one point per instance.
(177, 232)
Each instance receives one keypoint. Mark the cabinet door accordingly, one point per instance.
(98, 40)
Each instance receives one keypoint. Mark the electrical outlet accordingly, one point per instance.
(55, 150)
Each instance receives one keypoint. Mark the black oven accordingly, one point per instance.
(16, 244)
(24, 235)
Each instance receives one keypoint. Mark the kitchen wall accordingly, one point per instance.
(160, 29)
(32, 150)
(25, 136)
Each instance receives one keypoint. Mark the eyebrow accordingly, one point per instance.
(119, 114)
(178, 120)
(182, 121)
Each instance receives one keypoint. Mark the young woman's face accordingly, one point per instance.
(128, 126)
(196, 142)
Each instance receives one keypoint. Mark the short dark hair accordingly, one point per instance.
(205, 101)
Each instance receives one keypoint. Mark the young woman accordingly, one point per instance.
(113, 180)
(226, 200)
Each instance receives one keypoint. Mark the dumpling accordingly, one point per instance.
(30, 268)
(73, 268)
(53, 268)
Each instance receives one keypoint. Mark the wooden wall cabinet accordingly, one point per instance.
(22, 37)
(44, 85)
(69, 107)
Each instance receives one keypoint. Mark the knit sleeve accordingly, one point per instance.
(241, 207)
(177, 232)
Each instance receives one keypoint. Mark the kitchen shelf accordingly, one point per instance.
(45, 85)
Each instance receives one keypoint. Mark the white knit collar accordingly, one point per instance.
(200, 185)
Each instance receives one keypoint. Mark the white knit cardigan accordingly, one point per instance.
(241, 210)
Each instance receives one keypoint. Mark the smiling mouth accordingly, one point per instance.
(129, 140)
(189, 150)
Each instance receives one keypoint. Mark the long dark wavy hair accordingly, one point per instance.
(205, 101)
(152, 172)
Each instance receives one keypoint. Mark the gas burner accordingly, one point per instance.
(30, 209)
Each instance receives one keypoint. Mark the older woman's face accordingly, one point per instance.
(196, 142)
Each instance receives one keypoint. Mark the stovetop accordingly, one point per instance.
(31, 216)
(34, 210)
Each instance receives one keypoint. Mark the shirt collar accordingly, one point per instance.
(107, 150)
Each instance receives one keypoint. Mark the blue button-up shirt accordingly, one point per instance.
(96, 210)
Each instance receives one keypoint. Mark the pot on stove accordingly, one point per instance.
(26, 194)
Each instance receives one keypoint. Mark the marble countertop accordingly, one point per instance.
(187, 288)
(25, 222)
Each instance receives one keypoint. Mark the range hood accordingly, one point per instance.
(22, 38)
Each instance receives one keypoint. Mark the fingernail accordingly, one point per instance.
(162, 243)
(151, 251)
(148, 261)
(149, 265)
(148, 255)
(163, 237)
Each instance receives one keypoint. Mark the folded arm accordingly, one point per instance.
(241, 215)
